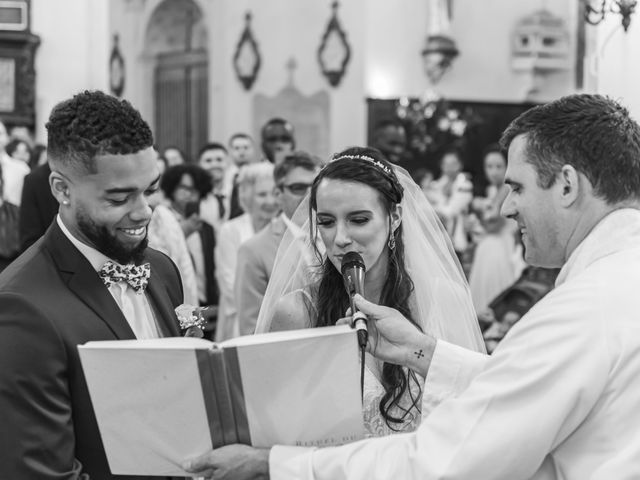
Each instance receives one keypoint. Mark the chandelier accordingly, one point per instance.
(595, 15)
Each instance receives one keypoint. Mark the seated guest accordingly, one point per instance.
(256, 195)
(215, 206)
(184, 186)
(292, 177)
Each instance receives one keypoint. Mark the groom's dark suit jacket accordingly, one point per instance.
(52, 300)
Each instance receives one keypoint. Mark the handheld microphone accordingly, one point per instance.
(353, 271)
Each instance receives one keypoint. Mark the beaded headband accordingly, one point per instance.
(377, 163)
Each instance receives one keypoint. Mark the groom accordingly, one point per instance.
(90, 277)
(558, 398)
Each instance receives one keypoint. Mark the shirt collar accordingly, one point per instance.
(617, 231)
(95, 258)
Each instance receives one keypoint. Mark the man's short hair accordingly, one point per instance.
(297, 159)
(211, 146)
(277, 121)
(93, 123)
(240, 135)
(592, 133)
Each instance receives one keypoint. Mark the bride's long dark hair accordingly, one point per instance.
(331, 299)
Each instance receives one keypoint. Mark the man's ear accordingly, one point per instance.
(396, 216)
(569, 183)
(59, 187)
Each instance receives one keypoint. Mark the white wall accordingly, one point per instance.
(386, 39)
(613, 67)
(73, 53)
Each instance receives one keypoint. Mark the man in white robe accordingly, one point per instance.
(559, 397)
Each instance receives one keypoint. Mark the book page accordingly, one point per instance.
(301, 388)
(149, 404)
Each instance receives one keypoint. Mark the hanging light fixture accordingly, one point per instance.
(595, 15)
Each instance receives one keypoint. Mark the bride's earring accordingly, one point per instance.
(392, 240)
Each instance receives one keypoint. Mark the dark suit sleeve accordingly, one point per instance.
(36, 428)
(31, 222)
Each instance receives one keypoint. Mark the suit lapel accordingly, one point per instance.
(85, 283)
(163, 308)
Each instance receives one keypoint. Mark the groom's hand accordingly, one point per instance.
(394, 339)
(231, 462)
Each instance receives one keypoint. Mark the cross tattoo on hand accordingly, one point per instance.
(419, 354)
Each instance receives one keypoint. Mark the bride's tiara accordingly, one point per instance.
(366, 158)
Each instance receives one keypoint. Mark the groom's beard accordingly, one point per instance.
(108, 244)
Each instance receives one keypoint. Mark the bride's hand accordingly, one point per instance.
(392, 337)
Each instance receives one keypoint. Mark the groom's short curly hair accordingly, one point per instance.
(94, 123)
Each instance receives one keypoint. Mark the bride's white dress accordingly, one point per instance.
(374, 423)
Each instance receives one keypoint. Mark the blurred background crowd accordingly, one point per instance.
(248, 99)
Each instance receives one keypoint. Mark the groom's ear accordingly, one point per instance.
(396, 216)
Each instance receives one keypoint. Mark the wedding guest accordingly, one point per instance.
(452, 195)
(13, 171)
(19, 150)
(293, 178)
(216, 206)
(493, 268)
(242, 152)
(360, 202)
(185, 186)
(241, 149)
(558, 398)
(165, 235)
(258, 201)
(84, 280)
(390, 138)
(9, 239)
(174, 156)
(278, 139)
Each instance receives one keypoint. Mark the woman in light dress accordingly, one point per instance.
(361, 203)
(495, 266)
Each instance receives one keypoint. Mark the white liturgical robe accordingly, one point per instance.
(558, 399)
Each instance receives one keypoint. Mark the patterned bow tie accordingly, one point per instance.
(136, 276)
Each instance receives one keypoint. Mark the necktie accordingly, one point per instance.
(136, 276)
(221, 209)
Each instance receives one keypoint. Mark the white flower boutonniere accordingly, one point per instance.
(191, 320)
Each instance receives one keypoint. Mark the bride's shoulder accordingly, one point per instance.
(292, 311)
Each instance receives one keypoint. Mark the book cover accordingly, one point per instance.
(159, 402)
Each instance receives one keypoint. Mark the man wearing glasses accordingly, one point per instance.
(293, 177)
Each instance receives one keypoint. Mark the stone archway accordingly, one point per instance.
(176, 38)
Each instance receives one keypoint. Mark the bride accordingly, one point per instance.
(360, 202)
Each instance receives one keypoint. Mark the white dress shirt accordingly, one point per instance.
(558, 399)
(135, 307)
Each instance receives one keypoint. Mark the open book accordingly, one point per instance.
(160, 402)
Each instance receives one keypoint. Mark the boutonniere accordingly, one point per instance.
(191, 320)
